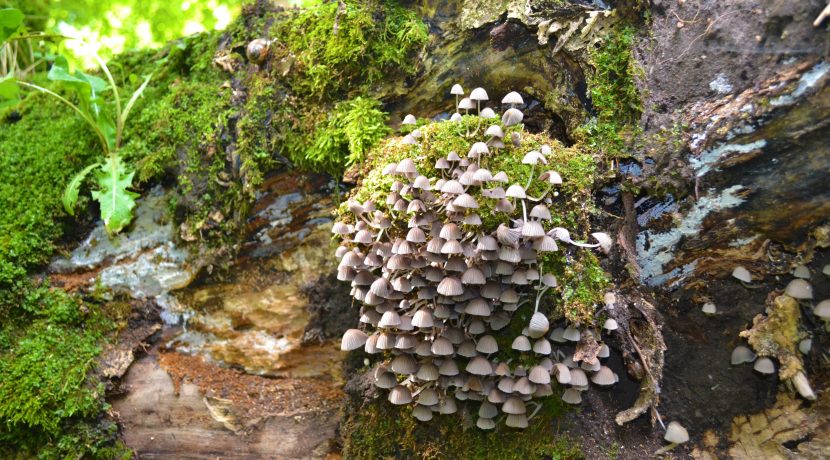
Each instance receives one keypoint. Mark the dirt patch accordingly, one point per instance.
(254, 397)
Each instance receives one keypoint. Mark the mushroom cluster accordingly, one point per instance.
(439, 288)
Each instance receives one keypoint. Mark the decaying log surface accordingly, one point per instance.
(732, 168)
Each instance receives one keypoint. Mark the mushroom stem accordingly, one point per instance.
(538, 406)
(542, 196)
(530, 177)
(539, 298)
(524, 210)
(666, 449)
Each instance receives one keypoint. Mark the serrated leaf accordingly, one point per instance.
(70, 194)
(10, 20)
(116, 201)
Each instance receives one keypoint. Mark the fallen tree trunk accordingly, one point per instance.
(727, 165)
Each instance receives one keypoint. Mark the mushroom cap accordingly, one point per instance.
(409, 120)
(514, 405)
(457, 90)
(572, 396)
(558, 335)
(353, 339)
(494, 130)
(521, 343)
(516, 421)
(512, 98)
(473, 276)
(764, 365)
(501, 176)
(487, 113)
(604, 377)
(610, 324)
(404, 364)
(539, 325)
(605, 242)
(466, 201)
(390, 319)
(466, 104)
(456, 116)
(453, 187)
(479, 366)
(822, 310)
(448, 368)
(540, 211)
(447, 406)
(406, 166)
(422, 413)
(542, 347)
(801, 271)
(533, 157)
(386, 380)
(478, 94)
(805, 345)
(427, 397)
(563, 374)
(799, 289)
(571, 333)
(826, 270)
(551, 177)
(427, 372)
(478, 307)
(709, 308)
(532, 229)
(485, 423)
(405, 341)
(450, 286)
(441, 346)
(487, 344)
(742, 354)
(477, 149)
(578, 378)
(512, 117)
(676, 434)
(539, 375)
(400, 395)
(742, 274)
(467, 349)
(516, 191)
(487, 410)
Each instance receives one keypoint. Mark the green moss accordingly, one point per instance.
(378, 430)
(49, 403)
(614, 95)
(348, 45)
(315, 101)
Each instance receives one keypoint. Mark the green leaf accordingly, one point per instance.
(116, 201)
(10, 21)
(70, 194)
(9, 88)
(89, 89)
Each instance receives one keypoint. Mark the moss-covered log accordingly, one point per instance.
(708, 150)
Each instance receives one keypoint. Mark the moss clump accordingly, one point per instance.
(582, 280)
(314, 104)
(49, 403)
(40, 148)
(378, 430)
(614, 95)
(348, 45)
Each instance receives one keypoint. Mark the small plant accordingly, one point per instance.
(113, 176)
